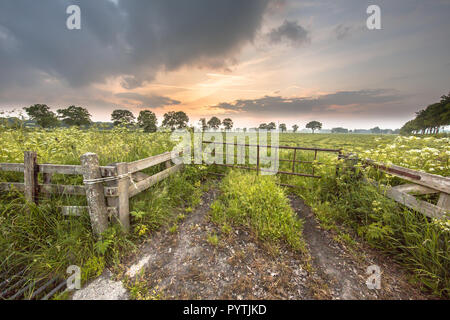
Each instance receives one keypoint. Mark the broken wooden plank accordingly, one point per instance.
(444, 201)
(411, 202)
(14, 167)
(148, 162)
(140, 186)
(415, 189)
(425, 179)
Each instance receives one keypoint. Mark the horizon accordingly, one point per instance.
(280, 60)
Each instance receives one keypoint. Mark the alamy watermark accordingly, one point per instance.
(231, 148)
(74, 280)
(374, 280)
(374, 20)
(73, 22)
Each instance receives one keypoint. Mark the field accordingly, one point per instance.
(44, 241)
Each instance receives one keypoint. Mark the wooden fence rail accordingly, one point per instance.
(422, 183)
(107, 188)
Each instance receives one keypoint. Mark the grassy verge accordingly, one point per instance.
(46, 243)
(258, 203)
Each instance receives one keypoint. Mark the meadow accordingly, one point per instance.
(46, 242)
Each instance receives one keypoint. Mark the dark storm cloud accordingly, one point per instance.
(289, 31)
(152, 101)
(296, 106)
(132, 38)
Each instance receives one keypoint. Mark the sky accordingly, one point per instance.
(255, 61)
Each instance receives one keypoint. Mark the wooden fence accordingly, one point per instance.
(422, 183)
(107, 188)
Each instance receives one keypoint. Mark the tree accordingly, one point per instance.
(147, 120)
(295, 128)
(203, 124)
(75, 116)
(282, 127)
(263, 126)
(375, 130)
(175, 120)
(122, 117)
(314, 125)
(430, 119)
(271, 126)
(339, 130)
(227, 123)
(214, 123)
(43, 116)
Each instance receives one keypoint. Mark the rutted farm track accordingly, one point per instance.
(184, 265)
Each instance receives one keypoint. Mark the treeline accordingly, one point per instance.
(42, 116)
(430, 119)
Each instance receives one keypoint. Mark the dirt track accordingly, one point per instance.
(184, 265)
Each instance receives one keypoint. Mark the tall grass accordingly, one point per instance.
(419, 243)
(44, 242)
(256, 202)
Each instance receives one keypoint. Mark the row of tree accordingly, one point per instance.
(427, 121)
(79, 116)
(313, 125)
(430, 119)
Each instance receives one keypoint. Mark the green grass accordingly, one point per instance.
(258, 203)
(45, 242)
(420, 244)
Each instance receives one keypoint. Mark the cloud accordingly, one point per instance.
(291, 32)
(342, 101)
(152, 101)
(131, 39)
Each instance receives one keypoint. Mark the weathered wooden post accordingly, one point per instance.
(94, 192)
(30, 175)
(123, 205)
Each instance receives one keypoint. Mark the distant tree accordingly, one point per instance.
(375, 130)
(263, 126)
(214, 123)
(339, 130)
(175, 120)
(282, 127)
(147, 120)
(271, 126)
(122, 117)
(227, 123)
(42, 115)
(314, 125)
(203, 124)
(295, 128)
(75, 116)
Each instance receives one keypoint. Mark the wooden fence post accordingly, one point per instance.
(123, 205)
(94, 192)
(30, 175)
